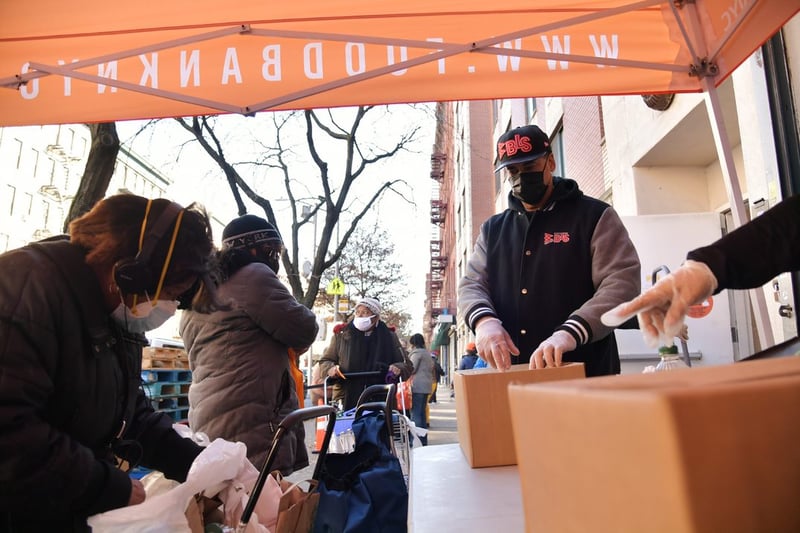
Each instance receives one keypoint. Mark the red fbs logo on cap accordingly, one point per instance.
(512, 146)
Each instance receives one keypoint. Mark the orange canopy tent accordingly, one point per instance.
(95, 60)
(66, 62)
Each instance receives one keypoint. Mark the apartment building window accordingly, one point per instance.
(45, 213)
(557, 144)
(8, 199)
(52, 177)
(497, 107)
(19, 153)
(27, 206)
(35, 162)
(530, 109)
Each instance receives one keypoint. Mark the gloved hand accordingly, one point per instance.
(494, 344)
(335, 372)
(663, 307)
(551, 350)
(683, 334)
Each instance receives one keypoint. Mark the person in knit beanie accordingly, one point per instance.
(244, 361)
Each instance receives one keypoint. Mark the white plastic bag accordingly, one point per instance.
(221, 469)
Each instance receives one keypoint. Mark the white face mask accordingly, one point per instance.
(145, 316)
(363, 323)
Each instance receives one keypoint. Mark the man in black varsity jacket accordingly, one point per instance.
(544, 270)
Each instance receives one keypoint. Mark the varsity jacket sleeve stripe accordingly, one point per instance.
(616, 274)
(473, 289)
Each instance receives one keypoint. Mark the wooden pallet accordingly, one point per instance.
(160, 357)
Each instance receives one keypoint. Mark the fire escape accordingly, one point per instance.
(438, 258)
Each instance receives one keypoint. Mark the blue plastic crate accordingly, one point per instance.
(149, 376)
(169, 375)
(139, 472)
(163, 388)
(168, 403)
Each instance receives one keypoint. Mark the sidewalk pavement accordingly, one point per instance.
(442, 431)
(443, 420)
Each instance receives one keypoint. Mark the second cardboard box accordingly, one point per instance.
(482, 409)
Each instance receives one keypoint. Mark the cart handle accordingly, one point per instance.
(373, 373)
(384, 406)
(285, 425)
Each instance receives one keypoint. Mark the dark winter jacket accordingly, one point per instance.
(558, 268)
(467, 361)
(241, 383)
(70, 383)
(753, 254)
(356, 351)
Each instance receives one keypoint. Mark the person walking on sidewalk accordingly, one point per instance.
(469, 359)
(438, 374)
(421, 382)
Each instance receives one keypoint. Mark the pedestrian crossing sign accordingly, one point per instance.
(335, 287)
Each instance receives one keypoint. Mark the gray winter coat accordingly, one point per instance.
(241, 383)
(424, 373)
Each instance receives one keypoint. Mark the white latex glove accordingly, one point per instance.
(663, 307)
(494, 344)
(335, 372)
(551, 350)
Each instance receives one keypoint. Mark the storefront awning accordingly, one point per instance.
(442, 336)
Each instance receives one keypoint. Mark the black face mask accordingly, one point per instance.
(273, 261)
(270, 257)
(529, 187)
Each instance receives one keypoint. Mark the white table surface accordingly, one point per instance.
(447, 495)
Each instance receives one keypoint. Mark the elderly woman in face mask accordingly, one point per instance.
(72, 314)
(365, 344)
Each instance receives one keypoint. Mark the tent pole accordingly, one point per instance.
(707, 73)
(731, 179)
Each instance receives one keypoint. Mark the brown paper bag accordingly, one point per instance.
(297, 507)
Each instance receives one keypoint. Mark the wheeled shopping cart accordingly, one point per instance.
(365, 489)
(296, 417)
(399, 424)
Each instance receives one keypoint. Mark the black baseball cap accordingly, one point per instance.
(521, 145)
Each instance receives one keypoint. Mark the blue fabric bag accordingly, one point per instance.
(363, 491)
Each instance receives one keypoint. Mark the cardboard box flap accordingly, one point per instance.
(702, 378)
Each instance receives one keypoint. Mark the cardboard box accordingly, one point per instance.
(482, 414)
(702, 449)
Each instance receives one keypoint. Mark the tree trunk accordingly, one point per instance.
(99, 169)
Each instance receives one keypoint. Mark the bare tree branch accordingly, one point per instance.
(331, 194)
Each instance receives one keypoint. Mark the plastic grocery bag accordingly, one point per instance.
(221, 469)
